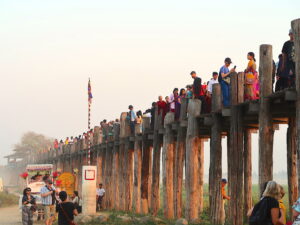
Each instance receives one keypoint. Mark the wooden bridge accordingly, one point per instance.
(129, 165)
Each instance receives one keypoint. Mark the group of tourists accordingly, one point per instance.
(270, 210)
(55, 204)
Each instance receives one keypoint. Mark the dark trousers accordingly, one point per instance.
(99, 202)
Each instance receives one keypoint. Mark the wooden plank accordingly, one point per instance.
(266, 131)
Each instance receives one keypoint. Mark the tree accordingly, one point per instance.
(33, 142)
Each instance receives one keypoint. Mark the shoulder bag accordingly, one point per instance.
(67, 217)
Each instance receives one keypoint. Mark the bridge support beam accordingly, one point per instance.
(266, 131)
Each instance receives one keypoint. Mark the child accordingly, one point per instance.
(281, 205)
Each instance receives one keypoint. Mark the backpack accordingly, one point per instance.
(260, 213)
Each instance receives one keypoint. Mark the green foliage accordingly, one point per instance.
(7, 199)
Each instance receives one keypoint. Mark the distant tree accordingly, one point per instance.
(33, 142)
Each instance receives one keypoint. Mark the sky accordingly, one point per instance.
(132, 50)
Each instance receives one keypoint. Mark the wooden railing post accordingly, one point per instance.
(266, 131)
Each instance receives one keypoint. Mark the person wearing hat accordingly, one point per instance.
(48, 201)
(225, 197)
(287, 66)
(224, 80)
(28, 204)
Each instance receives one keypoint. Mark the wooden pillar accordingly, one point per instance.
(145, 166)
(124, 137)
(215, 166)
(179, 161)
(129, 153)
(150, 175)
(137, 172)
(292, 163)
(157, 144)
(168, 165)
(266, 131)
(192, 164)
(247, 172)
(115, 167)
(296, 31)
(201, 175)
(236, 148)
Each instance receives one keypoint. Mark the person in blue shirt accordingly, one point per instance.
(132, 118)
(224, 80)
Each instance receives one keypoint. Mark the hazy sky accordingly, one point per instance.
(132, 50)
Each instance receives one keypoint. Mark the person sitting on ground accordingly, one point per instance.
(251, 79)
(224, 80)
(66, 210)
(267, 211)
(28, 207)
(77, 202)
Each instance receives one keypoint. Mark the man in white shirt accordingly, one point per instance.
(214, 80)
(100, 192)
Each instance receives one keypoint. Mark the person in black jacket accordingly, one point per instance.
(28, 204)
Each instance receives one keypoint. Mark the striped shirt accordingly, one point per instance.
(48, 199)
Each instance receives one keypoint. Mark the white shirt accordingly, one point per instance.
(210, 84)
(100, 192)
(171, 101)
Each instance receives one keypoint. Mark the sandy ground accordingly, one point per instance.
(10, 216)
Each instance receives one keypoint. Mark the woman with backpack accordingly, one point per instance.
(266, 211)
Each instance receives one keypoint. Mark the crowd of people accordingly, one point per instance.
(57, 205)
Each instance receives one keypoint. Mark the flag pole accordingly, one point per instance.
(89, 121)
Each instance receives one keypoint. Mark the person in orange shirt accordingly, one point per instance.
(225, 197)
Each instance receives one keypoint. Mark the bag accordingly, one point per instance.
(67, 217)
(250, 78)
(259, 214)
(227, 79)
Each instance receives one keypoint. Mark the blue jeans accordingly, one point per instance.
(225, 93)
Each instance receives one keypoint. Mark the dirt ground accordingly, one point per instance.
(10, 216)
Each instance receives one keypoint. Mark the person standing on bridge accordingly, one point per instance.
(28, 204)
(48, 201)
(132, 118)
(224, 80)
(198, 92)
(251, 79)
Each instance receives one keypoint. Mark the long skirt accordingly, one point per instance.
(27, 216)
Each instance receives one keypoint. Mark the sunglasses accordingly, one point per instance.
(28, 189)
